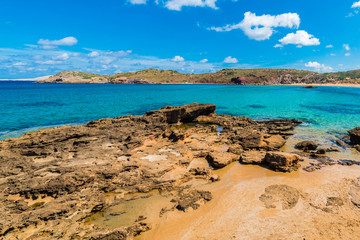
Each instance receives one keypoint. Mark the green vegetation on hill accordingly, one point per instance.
(264, 76)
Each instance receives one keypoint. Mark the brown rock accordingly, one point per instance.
(354, 136)
(357, 147)
(321, 151)
(185, 113)
(191, 198)
(221, 159)
(341, 143)
(306, 145)
(275, 142)
(283, 195)
(280, 161)
(253, 157)
(249, 138)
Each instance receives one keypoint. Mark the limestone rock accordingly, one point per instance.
(249, 138)
(185, 113)
(221, 159)
(191, 198)
(281, 161)
(253, 157)
(283, 195)
(307, 145)
(275, 142)
(355, 136)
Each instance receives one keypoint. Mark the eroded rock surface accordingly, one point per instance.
(280, 195)
(281, 161)
(253, 157)
(307, 145)
(53, 179)
(355, 136)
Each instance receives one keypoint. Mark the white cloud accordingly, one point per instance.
(230, 59)
(19, 64)
(356, 5)
(94, 54)
(346, 46)
(300, 38)
(347, 54)
(262, 27)
(178, 4)
(204, 60)
(49, 62)
(64, 56)
(332, 54)
(319, 67)
(68, 41)
(137, 1)
(329, 46)
(177, 59)
(40, 62)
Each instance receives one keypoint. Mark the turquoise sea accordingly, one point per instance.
(27, 106)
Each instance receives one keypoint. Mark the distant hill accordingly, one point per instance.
(224, 76)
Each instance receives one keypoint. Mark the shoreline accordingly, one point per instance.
(226, 84)
(145, 174)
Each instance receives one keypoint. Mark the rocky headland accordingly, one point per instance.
(175, 172)
(224, 76)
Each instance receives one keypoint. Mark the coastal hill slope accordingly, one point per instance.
(224, 76)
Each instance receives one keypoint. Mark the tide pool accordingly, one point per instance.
(27, 106)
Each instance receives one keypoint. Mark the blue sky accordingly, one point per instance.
(39, 38)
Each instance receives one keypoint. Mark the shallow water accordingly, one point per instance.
(25, 106)
(127, 211)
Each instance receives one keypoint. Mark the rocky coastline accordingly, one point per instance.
(54, 183)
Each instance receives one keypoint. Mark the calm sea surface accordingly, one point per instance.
(27, 106)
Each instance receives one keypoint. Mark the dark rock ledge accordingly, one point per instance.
(52, 180)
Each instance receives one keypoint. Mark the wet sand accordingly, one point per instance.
(237, 213)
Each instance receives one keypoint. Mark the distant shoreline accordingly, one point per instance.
(293, 84)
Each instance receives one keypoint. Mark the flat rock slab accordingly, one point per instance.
(283, 195)
(281, 161)
(221, 159)
(253, 157)
(275, 142)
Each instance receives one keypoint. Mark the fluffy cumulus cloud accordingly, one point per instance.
(179, 4)
(68, 41)
(346, 46)
(230, 59)
(356, 5)
(137, 1)
(177, 59)
(319, 67)
(300, 38)
(262, 27)
(93, 54)
(63, 57)
(329, 46)
(33, 61)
